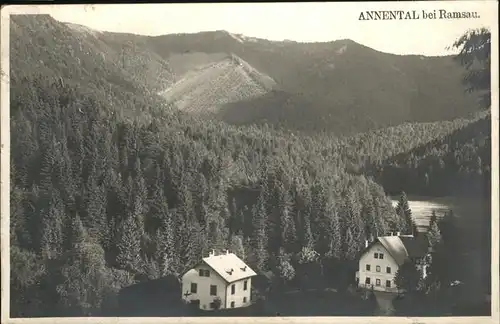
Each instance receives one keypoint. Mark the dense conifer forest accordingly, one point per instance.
(111, 186)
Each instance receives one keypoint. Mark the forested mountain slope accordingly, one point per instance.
(77, 56)
(456, 163)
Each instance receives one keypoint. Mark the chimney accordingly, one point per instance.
(211, 254)
(227, 252)
(366, 243)
(398, 233)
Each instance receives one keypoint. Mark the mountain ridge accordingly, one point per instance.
(254, 38)
(341, 87)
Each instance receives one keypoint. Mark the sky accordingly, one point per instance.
(303, 22)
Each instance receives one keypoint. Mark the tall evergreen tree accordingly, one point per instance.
(166, 253)
(475, 56)
(52, 238)
(403, 211)
(129, 245)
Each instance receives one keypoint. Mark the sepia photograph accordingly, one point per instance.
(250, 160)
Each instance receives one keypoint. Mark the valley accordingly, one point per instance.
(134, 156)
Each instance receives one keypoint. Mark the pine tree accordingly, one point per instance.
(408, 277)
(236, 246)
(83, 279)
(52, 238)
(129, 245)
(287, 224)
(285, 270)
(308, 237)
(405, 216)
(434, 234)
(166, 244)
(78, 233)
(259, 237)
(475, 56)
(96, 206)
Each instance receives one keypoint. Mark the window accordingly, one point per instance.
(232, 289)
(381, 255)
(367, 280)
(245, 285)
(194, 288)
(377, 282)
(213, 290)
(388, 269)
(376, 255)
(232, 304)
(244, 299)
(377, 268)
(204, 273)
(367, 267)
(388, 283)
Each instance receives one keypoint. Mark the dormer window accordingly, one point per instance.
(230, 271)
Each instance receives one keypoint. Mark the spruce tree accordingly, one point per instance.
(166, 245)
(52, 238)
(403, 211)
(129, 245)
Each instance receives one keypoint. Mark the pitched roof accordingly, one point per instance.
(416, 247)
(404, 247)
(395, 247)
(229, 267)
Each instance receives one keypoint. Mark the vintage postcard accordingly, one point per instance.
(250, 162)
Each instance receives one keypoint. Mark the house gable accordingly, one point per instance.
(200, 287)
(377, 268)
(368, 257)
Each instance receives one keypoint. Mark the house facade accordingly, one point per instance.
(218, 282)
(381, 259)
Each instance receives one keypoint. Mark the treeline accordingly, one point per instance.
(98, 201)
(458, 163)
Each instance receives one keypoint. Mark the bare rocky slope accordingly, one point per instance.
(208, 88)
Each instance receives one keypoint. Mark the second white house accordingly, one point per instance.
(381, 259)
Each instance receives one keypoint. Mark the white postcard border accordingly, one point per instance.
(5, 196)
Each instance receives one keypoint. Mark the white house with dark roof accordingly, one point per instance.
(218, 282)
(381, 259)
